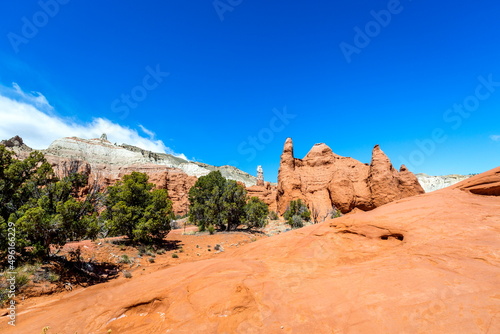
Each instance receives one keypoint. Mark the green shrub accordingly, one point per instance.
(299, 209)
(335, 213)
(211, 229)
(22, 279)
(297, 222)
(124, 259)
(175, 256)
(53, 277)
(256, 212)
(44, 208)
(135, 210)
(22, 274)
(273, 215)
(216, 201)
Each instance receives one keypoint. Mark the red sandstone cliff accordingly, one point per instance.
(325, 180)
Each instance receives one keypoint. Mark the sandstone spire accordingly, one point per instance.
(325, 180)
(260, 176)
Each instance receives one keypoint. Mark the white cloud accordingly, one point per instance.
(150, 133)
(31, 116)
(495, 137)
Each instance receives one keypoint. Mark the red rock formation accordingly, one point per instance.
(483, 184)
(174, 180)
(266, 193)
(325, 180)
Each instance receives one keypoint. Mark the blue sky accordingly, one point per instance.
(227, 81)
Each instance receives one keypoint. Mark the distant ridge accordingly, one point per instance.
(99, 151)
(432, 183)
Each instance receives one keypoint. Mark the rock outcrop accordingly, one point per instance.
(325, 180)
(483, 184)
(266, 193)
(432, 183)
(17, 145)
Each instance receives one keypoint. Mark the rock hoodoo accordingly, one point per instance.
(325, 180)
(260, 176)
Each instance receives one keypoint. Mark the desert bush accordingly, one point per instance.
(44, 208)
(22, 274)
(22, 279)
(299, 209)
(175, 256)
(256, 212)
(297, 222)
(53, 277)
(273, 215)
(135, 210)
(335, 213)
(216, 201)
(124, 259)
(211, 229)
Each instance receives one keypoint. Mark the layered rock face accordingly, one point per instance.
(325, 180)
(102, 152)
(432, 183)
(106, 163)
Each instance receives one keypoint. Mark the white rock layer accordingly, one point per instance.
(432, 183)
(102, 152)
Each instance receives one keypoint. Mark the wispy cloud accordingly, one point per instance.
(30, 115)
(150, 133)
(495, 137)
